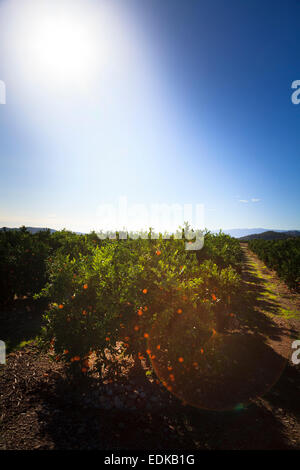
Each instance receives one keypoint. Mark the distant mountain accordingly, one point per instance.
(242, 232)
(272, 235)
(30, 229)
(38, 229)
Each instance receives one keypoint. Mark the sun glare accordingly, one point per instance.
(62, 49)
(60, 44)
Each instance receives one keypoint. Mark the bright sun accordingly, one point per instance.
(61, 44)
(62, 48)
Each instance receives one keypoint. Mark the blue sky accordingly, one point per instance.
(158, 101)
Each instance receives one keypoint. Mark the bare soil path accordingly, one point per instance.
(283, 302)
(274, 308)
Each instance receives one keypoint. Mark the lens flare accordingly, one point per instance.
(212, 370)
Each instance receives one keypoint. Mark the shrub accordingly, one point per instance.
(22, 263)
(281, 255)
(115, 293)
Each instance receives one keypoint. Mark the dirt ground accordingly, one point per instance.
(41, 409)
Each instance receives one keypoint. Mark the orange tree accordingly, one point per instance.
(22, 262)
(116, 292)
(281, 255)
(23, 257)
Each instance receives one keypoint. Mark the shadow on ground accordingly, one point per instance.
(69, 425)
(20, 322)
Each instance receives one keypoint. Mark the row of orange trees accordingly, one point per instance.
(281, 255)
(111, 292)
(106, 292)
(24, 257)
